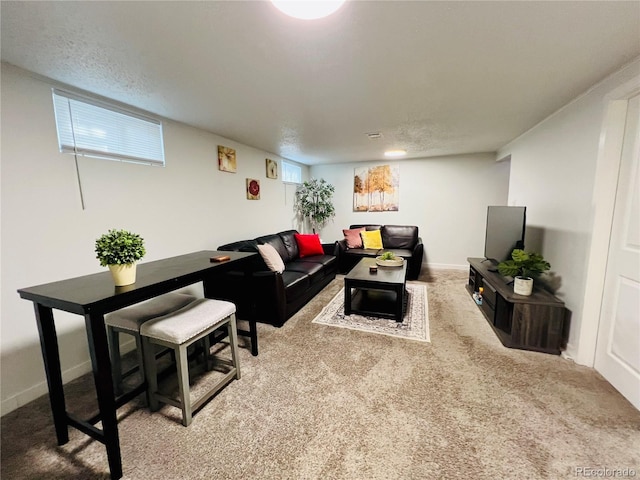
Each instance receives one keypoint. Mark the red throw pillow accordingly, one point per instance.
(309, 244)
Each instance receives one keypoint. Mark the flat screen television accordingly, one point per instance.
(505, 232)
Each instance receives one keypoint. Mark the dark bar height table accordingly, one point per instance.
(93, 296)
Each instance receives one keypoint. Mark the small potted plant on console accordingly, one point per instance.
(523, 267)
(120, 250)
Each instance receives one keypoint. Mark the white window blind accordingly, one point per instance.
(291, 173)
(93, 128)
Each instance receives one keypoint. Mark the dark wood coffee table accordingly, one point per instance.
(382, 294)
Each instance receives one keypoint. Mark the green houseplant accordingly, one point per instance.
(389, 259)
(120, 250)
(313, 201)
(388, 256)
(523, 267)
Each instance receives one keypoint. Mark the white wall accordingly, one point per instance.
(446, 197)
(553, 173)
(188, 205)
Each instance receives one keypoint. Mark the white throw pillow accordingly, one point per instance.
(271, 257)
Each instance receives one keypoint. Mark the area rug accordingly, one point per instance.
(415, 325)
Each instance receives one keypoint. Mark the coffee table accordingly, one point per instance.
(382, 294)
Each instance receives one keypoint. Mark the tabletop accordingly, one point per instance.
(96, 292)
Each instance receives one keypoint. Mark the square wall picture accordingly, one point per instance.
(253, 189)
(376, 189)
(226, 159)
(272, 168)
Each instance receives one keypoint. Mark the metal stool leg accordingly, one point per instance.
(183, 384)
(233, 342)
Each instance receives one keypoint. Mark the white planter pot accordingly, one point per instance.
(523, 285)
(123, 274)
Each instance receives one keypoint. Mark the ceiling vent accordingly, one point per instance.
(374, 135)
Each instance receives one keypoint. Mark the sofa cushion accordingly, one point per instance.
(353, 238)
(398, 252)
(271, 257)
(276, 242)
(295, 284)
(315, 271)
(363, 252)
(308, 244)
(321, 259)
(399, 236)
(371, 239)
(289, 242)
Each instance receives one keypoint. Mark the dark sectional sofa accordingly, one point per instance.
(271, 297)
(403, 240)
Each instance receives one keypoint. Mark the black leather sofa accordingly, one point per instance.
(402, 240)
(271, 297)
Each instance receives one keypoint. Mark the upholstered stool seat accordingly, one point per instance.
(128, 320)
(179, 330)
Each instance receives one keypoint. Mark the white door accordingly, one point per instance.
(618, 344)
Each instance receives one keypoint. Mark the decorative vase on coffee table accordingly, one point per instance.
(395, 262)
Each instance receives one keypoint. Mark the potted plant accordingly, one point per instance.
(120, 250)
(389, 259)
(314, 201)
(523, 267)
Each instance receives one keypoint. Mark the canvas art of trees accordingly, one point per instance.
(376, 189)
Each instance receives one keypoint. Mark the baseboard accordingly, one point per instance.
(447, 266)
(30, 394)
(569, 353)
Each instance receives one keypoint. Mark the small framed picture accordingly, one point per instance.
(253, 189)
(272, 168)
(226, 159)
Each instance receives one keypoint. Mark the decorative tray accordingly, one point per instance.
(396, 262)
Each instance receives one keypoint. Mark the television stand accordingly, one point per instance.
(533, 323)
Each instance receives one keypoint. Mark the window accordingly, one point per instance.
(93, 128)
(291, 173)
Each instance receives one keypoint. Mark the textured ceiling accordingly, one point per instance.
(434, 78)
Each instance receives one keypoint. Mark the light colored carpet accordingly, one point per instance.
(332, 403)
(414, 326)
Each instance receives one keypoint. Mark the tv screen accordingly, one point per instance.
(505, 231)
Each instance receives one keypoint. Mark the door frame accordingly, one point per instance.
(603, 205)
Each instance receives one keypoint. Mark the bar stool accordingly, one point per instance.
(128, 320)
(179, 330)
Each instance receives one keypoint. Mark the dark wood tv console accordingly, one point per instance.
(533, 323)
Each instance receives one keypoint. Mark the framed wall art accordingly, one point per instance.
(226, 159)
(272, 168)
(253, 189)
(376, 189)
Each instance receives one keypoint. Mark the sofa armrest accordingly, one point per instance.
(270, 297)
(415, 265)
(329, 248)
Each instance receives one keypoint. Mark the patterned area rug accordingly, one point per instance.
(415, 325)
